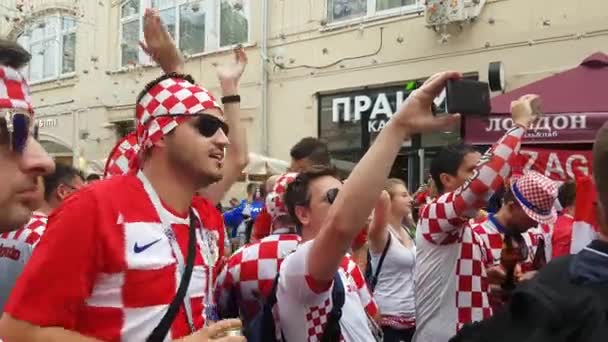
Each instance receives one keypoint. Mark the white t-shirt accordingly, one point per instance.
(303, 304)
(394, 291)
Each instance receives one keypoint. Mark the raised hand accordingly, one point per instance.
(416, 116)
(220, 331)
(158, 43)
(230, 74)
(525, 110)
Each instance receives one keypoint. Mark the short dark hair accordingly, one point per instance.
(297, 192)
(93, 177)
(13, 55)
(313, 149)
(567, 194)
(63, 174)
(448, 161)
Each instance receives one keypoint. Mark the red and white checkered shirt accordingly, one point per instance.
(451, 283)
(116, 267)
(303, 304)
(493, 240)
(16, 248)
(30, 233)
(249, 275)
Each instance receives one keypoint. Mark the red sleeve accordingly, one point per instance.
(360, 239)
(60, 274)
(261, 227)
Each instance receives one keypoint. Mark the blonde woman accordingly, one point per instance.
(393, 257)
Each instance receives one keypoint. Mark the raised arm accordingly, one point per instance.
(378, 228)
(159, 45)
(237, 153)
(358, 196)
(442, 219)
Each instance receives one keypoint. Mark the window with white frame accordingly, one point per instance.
(52, 42)
(196, 26)
(340, 10)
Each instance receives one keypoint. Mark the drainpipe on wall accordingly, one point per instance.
(76, 138)
(264, 53)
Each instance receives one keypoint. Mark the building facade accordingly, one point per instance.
(337, 69)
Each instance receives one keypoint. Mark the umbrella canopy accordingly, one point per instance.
(574, 101)
(582, 89)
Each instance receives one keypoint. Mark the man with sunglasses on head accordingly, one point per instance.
(135, 257)
(330, 215)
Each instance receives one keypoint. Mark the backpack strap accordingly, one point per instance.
(374, 279)
(332, 329)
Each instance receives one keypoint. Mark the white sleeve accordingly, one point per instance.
(295, 282)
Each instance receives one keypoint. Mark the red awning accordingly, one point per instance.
(574, 101)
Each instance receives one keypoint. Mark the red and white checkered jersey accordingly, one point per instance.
(248, 277)
(303, 304)
(16, 248)
(493, 240)
(105, 267)
(451, 283)
(30, 233)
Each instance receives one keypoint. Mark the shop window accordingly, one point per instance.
(124, 127)
(196, 26)
(340, 10)
(52, 42)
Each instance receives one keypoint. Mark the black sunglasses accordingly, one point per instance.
(331, 194)
(206, 124)
(15, 129)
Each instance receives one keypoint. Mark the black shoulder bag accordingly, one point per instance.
(374, 279)
(162, 329)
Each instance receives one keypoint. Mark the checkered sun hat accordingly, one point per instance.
(14, 91)
(121, 157)
(536, 194)
(275, 205)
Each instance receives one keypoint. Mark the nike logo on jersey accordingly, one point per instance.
(138, 249)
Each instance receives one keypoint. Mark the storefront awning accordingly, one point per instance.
(574, 102)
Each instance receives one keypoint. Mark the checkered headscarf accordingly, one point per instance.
(275, 205)
(122, 155)
(14, 90)
(162, 108)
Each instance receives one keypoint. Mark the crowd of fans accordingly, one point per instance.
(145, 254)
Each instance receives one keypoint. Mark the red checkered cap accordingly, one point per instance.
(275, 205)
(122, 157)
(172, 96)
(14, 91)
(536, 194)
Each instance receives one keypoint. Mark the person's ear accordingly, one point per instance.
(303, 214)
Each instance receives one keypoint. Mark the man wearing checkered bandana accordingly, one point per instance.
(20, 164)
(127, 257)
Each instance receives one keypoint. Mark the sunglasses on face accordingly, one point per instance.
(15, 129)
(330, 195)
(206, 124)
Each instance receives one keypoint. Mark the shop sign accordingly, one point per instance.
(377, 108)
(551, 128)
(47, 123)
(559, 165)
